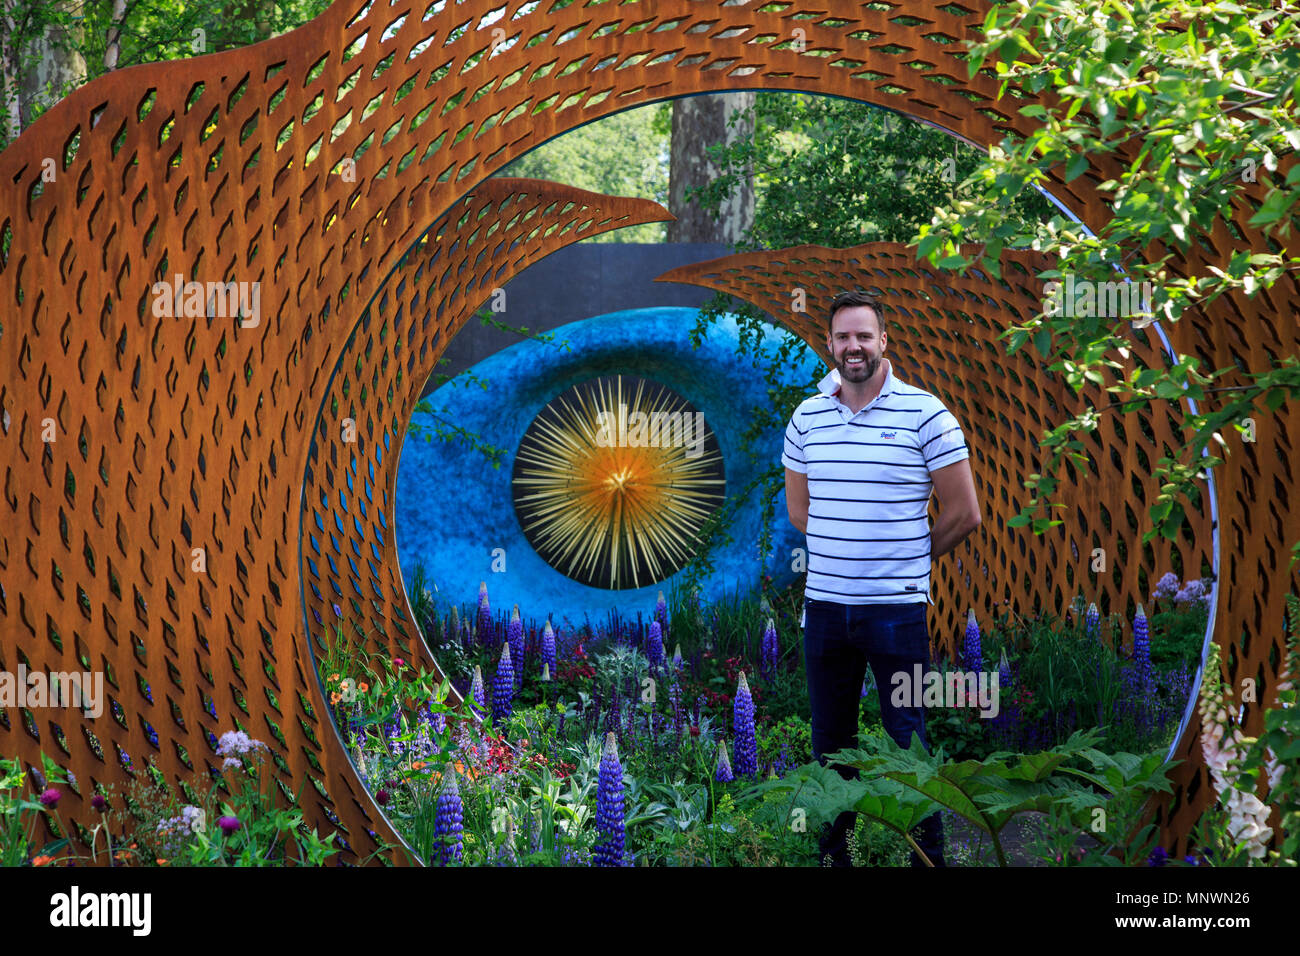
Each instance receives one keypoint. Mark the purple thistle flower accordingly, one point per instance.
(228, 825)
(722, 772)
(548, 647)
(1167, 586)
(610, 821)
(515, 638)
(972, 654)
(98, 802)
(743, 728)
(655, 645)
(50, 798)
(770, 651)
(477, 693)
(484, 626)
(1092, 621)
(449, 826)
(503, 688)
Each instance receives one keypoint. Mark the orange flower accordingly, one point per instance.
(42, 860)
(334, 676)
(363, 687)
(418, 765)
(161, 861)
(334, 697)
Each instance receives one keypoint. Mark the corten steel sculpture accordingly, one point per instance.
(311, 164)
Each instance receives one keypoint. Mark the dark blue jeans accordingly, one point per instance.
(840, 641)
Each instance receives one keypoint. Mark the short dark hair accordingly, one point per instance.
(855, 297)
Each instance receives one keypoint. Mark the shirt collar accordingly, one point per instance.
(830, 384)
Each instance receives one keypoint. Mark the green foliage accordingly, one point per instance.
(622, 155)
(22, 815)
(1200, 113)
(898, 788)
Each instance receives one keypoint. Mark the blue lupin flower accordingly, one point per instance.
(722, 772)
(1092, 621)
(611, 825)
(675, 702)
(515, 638)
(478, 693)
(484, 624)
(448, 825)
(972, 654)
(655, 645)
(770, 651)
(452, 623)
(503, 688)
(548, 647)
(743, 728)
(661, 613)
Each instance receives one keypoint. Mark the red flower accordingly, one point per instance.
(695, 730)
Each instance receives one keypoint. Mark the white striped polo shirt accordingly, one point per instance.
(869, 489)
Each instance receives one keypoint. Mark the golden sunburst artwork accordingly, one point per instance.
(613, 480)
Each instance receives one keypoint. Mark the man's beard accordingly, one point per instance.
(869, 368)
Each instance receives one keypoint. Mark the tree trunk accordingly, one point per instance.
(49, 66)
(700, 122)
(113, 48)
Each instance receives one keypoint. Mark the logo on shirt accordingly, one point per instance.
(889, 435)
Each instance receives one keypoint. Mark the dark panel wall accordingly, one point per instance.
(578, 282)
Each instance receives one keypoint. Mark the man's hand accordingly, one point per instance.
(959, 513)
(796, 499)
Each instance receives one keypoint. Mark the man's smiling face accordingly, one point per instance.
(857, 343)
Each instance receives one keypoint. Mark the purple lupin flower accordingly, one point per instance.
(1145, 677)
(743, 728)
(770, 651)
(661, 613)
(452, 626)
(675, 702)
(448, 827)
(503, 688)
(655, 645)
(1092, 621)
(548, 647)
(722, 772)
(478, 693)
(610, 821)
(483, 625)
(972, 654)
(515, 638)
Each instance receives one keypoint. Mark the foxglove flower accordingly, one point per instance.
(972, 654)
(611, 824)
(743, 727)
(484, 625)
(515, 637)
(770, 651)
(548, 647)
(722, 772)
(478, 693)
(449, 825)
(655, 645)
(503, 688)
